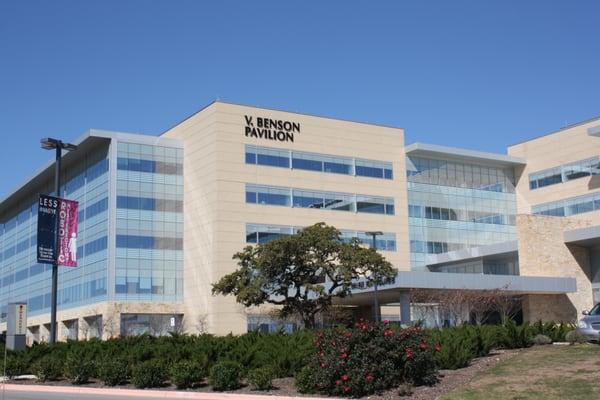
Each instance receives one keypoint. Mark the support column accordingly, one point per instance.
(405, 318)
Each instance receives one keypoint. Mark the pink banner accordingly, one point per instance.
(67, 233)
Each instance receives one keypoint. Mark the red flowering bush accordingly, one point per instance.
(368, 358)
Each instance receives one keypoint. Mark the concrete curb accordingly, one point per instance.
(149, 393)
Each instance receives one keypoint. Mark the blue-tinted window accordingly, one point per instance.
(309, 165)
(250, 157)
(150, 166)
(95, 246)
(337, 168)
(97, 170)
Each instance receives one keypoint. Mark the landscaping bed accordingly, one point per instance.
(357, 361)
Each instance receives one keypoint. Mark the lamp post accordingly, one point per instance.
(374, 235)
(58, 145)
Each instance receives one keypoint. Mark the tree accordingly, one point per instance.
(302, 273)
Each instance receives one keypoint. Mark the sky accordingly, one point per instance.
(474, 74)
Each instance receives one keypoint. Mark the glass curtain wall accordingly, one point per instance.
(456, 205)
(149, 242)
(22, 279)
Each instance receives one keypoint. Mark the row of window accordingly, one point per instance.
(565, 173)
(318, 162)
(450, 173)
(147, 285)
(487, 268)
(92, 172)
(572, 206)
(149, 242)
(152, 166)
(449, 214)
(257, 233)
(316, 199)
(432, 247)
(71, 294)
(93, 210)
(149, 204)
(90, 248)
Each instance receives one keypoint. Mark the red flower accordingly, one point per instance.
(345, 377)
(343, 356)
(423, 345)
(322, 354)
(338, 382)
(408, 353)
(348, 334)
(346, 389)
(388, 333)
(369, 377)
(385, 322)
(438, 348)
(323, 365)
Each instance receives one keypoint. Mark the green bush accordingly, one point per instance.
(78, 367)
(184, 374)
(225, 375)
(368, 358)
(15, 365)
(112, 371)
(305, 382)
(48, 368)
(516, 336)
(457, 347)
(147, 374)
(574, 337)
(541, 340)
(261, 378)
(555, 331)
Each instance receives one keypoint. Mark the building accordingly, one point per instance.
(160, 218)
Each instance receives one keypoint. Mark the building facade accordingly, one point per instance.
(160, 218)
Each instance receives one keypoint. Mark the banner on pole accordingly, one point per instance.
(56, 213)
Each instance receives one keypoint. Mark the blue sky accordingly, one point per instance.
(475, 74)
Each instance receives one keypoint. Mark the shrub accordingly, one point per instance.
(305, 382)
(225, 375)
(48, 368)
(261, 378)
(147, 374)
(541, 340)
(554, 331)
(405, 390)
(574, 337)
(516, 336)
(367, 359)
(112, 371)
(184, 374)
(15, 365)
(457, 347)
(78, 368)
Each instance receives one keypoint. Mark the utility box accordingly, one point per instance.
(16, 326)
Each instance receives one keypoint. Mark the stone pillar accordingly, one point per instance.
(405, 318)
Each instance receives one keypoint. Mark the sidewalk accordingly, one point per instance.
(136, 393)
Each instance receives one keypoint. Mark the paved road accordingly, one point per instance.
(10, 395)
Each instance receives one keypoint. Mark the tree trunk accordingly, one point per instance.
(309, 320)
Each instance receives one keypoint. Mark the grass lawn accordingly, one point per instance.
(542, 372)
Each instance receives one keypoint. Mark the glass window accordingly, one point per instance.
(307, 162)
(272, 157)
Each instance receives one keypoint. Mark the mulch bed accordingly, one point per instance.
(448, 381)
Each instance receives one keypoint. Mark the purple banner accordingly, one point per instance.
(67, 233)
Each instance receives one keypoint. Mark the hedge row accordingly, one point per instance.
(185, 360)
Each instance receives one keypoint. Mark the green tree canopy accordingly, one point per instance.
(291, 271)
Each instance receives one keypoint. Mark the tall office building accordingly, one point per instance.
(160, 218)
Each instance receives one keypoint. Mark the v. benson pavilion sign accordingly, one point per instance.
(271, 129)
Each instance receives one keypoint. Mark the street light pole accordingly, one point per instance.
(58, 145)
(374, 235)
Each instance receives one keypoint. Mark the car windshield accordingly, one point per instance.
(595, 310)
